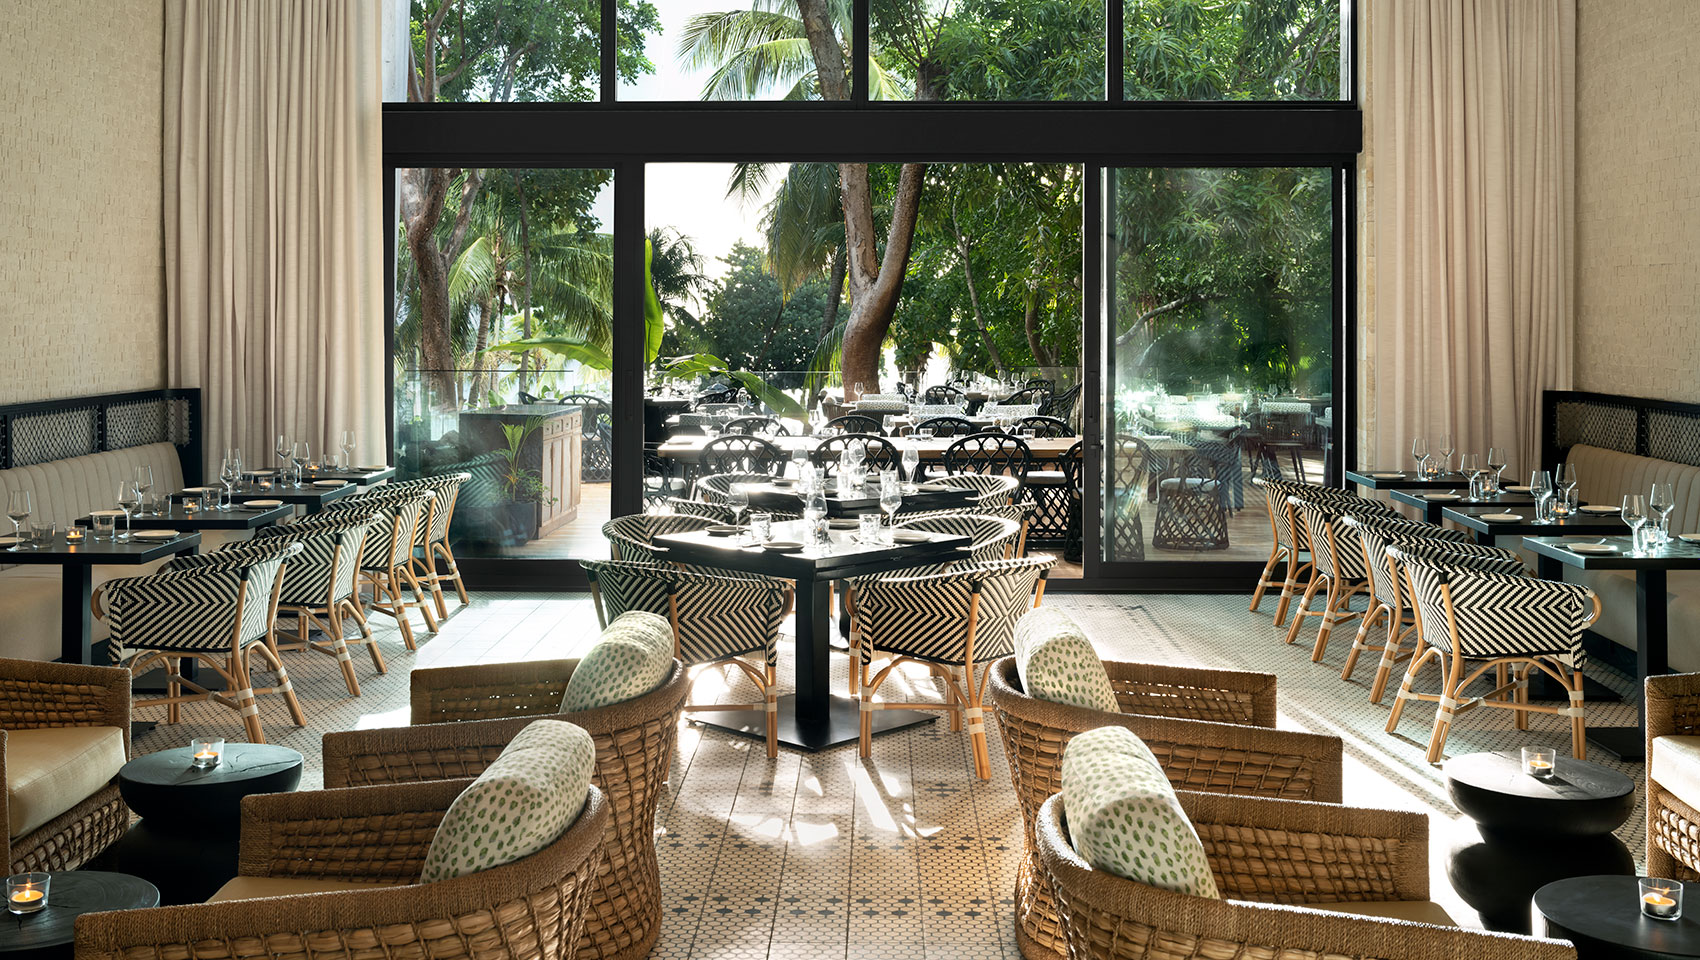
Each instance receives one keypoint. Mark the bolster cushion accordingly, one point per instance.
(1057, 663)
(633, 656)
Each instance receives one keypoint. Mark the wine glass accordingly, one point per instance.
(348, 448)
(1446, 450)
(888, 423)
(1497, 461)
(738, 500)
(281, 447)
(18, 509)
(814, 515)
(144, 484)
(911, 464)
(858, 389)
(299, 459)
(1541, 488)
(1470, 465)
(799, 457)
(1419, 452)
(229, 472)
(1661, 501)
(1567, 478)
(1634, 513)
(128, 499)
(891, 497)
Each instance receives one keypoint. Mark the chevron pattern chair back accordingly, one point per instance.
(206, 608)
(322, 587)
(963, 619)
(878, 453)
(716, 618)
(323, 571)
(992, 537)
(633, 537)
(1327, 547)
(391, 544)
(1374, 534)
(991, 488)
(717, 488)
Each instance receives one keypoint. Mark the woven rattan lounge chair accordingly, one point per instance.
(365, 848)
(1273, 859)
(47, 697)
(1210, 729)
(464, 716)
(1673, 803)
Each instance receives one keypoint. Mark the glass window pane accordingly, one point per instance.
(989, 50)
(1210, 50)
(1220, 355)
(733, 50)
(502, 51)
(486, 258)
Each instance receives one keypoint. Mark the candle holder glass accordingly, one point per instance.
(1661, 899)
(206, 754)
(1540, 762)
(26, 893)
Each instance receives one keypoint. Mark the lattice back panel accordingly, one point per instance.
(1610, 426)
(32, 433)
(1674, 435)
(54, 435)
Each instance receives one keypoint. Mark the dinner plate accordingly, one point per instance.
(1516, 488)
(1502, 517)
(723, 530)
(1388, 476)
(200, 489)
(843, 523)
(1441, 496)
(782, 546)
(260, 473)
(373, 469)
(1591, 547)
(1689, 537)
(1599, 509)
(933, 486)
(909, 536)
(261, 504)
(330, 483)
(8, 541)
(106, 513)
(155, 535)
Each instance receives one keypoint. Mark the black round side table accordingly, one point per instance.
(1531, 832)
(187, 842)
(1602, 916)
(48, 934)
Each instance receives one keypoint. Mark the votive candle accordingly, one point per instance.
(26, 892)
(1540, 762)
(1661, 899)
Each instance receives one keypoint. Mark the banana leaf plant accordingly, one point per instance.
(708, 365)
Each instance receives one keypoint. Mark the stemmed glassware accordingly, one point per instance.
(1470, 465)
(1566, 479)
(282, 447)
(1447, 448)
(229, 472)
(911, 465)
(1635, 514)
(1661, 501)
(348, 448)
(1497, 462)
(738, 501)
(814, 516)
(1419, 453)
(891, 497)
(859, 390)
(18, 510)
(144, 485)
(129, 497)
(1541, 488)
(298, 459)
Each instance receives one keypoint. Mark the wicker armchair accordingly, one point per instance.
(1210, 729)
(1673, 805)
(40, 696)
(365, 847)
(1272, 859)
(632, 537)
(462, 718)
(1337, 562)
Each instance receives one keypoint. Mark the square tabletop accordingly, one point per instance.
(1405, 480)
(1676, 555)
(90, 552)
(842, 557)
(235, 518)
(1470, 517)
(364, 476)
(311, 496)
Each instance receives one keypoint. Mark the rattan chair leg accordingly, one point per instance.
(1418, 658)
(1578, 728)
(1443, 715)
(268, 652)
(1360, 641)
(246, 704)
(1304, 609)
(772, 696)
(1267, 578)
(418, 598)
(453, 574)
(1522, 696)
(344, 658)
(173, 690)
(1391, 656)
(351, 607)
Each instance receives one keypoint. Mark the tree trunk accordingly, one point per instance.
(835, 294)
(424, 193)
(974, 304)
(1041, 355)
(525, 250)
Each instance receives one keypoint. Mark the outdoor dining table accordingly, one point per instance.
(812, 718)
(1433, 503)
(1652, 615)
(76, 578)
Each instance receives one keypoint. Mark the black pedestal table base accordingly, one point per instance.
(1497, 873)
(840, 728)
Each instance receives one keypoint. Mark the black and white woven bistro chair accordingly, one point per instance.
(1389, 598)
(431, 541)
(990, 489)
(726, 619)
(1337, 563)
(320, 584)
(717, 487)
(632, 538)
(219, 615)
(386, 566)
(1476, 622)
(956, 623)
(1292, 540)
(1020, 513)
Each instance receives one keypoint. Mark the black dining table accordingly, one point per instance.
(1405, 480)
(357, 475)
(1433, 503)
(813, 719)
(312, 498)
(768, 496)
(236, 518)
(76, 578)
(1470, 516)
(1652, 614)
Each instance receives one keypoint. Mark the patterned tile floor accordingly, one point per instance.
(906, 855)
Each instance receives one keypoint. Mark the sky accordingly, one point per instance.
(690, 197)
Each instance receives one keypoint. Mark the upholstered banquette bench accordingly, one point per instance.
(63, 491)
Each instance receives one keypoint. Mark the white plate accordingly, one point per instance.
(909, 536)
(330, 483)
(1501, 517)
(8, 541)
(1441, 496)
(201, 489)
(155, 535)
(261, 504)
(936, 487)
(260, 473)
(782, 546)
(106, 513)
(1516, 488)
(1689, 537)
(372, 469)
(1600, 509)
(1388, 476)
(1591, 547)
(844, 523)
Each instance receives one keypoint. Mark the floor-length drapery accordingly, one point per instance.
(273, 240)
(1474, 167)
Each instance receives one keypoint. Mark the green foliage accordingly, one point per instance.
(508, 50)
(1243, 50)
(702, 365)
(748, 321)
(519, 484)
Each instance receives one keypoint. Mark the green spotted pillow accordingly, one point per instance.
(633, 656)
(1057, 663)
(1124, 818)
(522, 802)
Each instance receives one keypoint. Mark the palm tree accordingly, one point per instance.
(676, 272)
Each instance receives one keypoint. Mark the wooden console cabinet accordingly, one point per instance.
(554, 452)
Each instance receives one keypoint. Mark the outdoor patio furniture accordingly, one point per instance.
(993, 453)
(596, 462)
(1055, 497)
(949, 426)
(856, 423)
(944, 394)
(740, 454)
(1191, 509)
(756, 426)
(879, 453)
(1043, 426)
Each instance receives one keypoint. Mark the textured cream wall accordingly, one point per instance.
(81, 244)
(1638, 198)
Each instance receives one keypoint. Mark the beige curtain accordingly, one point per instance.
(1472, 120)
(273, 240)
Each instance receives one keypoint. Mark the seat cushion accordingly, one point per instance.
(1675, 764)
(633, 656)
(1056, 662)
(1124, 818)
(253, 888)
(51, 770)
(520, 804)
(1416, 911)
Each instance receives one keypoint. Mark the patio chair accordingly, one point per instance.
(879, 453)
(1042, 426)
(740, 454)
(1027, 396)
(717, 488)
(1389, 597)
(945, 395)
(1673, 803)
(949, 426)
(597, 455)
(756, 427)
(992, 453)
(1061, 406)
(632, 537)
(856, 423)
(1134, 468)
(1192, 512)
(1054, 495)
(993, 489)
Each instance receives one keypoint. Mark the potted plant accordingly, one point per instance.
(519, 514)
